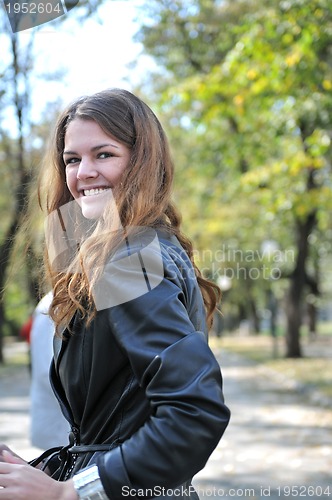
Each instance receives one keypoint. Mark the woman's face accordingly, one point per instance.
(94, 163)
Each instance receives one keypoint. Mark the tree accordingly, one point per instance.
(256, 99)
(16, 68)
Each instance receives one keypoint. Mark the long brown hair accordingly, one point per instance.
(143, 200)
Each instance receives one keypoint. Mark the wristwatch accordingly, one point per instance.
(88, 485)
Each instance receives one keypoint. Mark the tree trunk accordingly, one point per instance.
(5, 252)
(312, 320)
(296, 288)
(254, 316)
(33, 265)
(22, 189)
(293, 311)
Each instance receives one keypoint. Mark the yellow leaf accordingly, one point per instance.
(252, 74)
(327, 84)
(293, 59)
(238, 100)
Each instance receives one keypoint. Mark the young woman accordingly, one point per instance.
(132, 369)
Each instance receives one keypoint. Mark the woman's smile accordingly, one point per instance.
(94, 191)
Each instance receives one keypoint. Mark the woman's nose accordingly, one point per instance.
(86, 170)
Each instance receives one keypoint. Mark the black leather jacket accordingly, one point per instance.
(142, 380)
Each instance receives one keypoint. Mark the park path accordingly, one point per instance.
(276, 438)
(15, 404)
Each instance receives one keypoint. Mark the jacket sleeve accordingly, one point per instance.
(182, 381)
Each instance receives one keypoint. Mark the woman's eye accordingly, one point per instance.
(104, 155)
(69, 161)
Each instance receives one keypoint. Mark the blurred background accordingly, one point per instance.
(244, 91)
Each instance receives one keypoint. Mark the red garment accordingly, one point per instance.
(26, 330)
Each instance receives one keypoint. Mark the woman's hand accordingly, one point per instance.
(3, 447)
(20, 481)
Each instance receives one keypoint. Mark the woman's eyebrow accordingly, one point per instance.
(95, 148)
(103, 146)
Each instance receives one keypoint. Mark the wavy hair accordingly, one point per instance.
(143, 199)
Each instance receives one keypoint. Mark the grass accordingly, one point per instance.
(314, 369)
(14, 359)
(325, 328)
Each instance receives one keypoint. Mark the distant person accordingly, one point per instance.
(25, 330)
(25, 334)
(48, 428)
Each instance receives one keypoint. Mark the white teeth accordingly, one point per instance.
(92, 192)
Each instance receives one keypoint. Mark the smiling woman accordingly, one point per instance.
(132, 368)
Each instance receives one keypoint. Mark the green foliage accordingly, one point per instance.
(247, 97)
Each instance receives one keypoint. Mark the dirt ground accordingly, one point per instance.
(278, 444)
